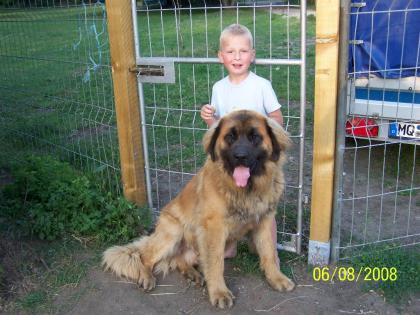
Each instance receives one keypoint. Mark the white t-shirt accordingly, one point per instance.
(253, 93)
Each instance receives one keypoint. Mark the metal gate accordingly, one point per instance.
(377, 175)
(176, 46)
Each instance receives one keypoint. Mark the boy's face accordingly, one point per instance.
(236, 54)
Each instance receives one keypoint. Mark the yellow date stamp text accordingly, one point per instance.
(351, 274)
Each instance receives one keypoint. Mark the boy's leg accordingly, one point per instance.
(230, 250)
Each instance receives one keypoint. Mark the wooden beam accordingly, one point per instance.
(121, 38)
(326, 80)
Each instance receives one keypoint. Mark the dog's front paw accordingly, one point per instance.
(147, 281)
(281, 283)
(221, 298)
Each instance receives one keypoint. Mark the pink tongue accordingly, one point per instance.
(241, 175)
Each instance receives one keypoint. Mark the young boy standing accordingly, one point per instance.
(241, 89)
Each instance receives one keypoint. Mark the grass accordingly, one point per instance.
(406, 261)
(47, 54)
(47, 106)
(33, 300)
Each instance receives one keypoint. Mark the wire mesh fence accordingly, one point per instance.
(56, 94)
(379, 204)
(56, 97)
(189, 35)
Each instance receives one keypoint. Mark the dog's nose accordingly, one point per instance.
(241, 155)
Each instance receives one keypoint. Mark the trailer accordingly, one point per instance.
(383, 83)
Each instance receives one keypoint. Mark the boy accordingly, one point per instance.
(241, 89)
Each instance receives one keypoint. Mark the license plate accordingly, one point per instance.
(404, 130)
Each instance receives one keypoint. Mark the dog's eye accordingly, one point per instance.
(230, 138)
(255, 138)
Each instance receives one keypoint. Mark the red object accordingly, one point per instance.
(362, 127)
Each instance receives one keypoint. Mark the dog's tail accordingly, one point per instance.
(125, 261)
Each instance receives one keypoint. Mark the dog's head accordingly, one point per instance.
(244, 141)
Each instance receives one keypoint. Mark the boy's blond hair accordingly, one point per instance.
(235, 30)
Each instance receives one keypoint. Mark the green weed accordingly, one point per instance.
(33, 300)
(245, 261)
(49, 199)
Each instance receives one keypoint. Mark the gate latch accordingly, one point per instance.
(153, 70)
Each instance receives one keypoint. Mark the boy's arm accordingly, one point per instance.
(277, 116)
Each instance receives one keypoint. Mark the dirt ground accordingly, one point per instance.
(97, 292)
(105, 294)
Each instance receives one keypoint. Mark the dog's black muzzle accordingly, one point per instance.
(243, 155)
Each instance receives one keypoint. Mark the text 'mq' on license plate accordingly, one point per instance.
(404, 130)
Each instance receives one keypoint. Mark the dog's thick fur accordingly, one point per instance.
(212, 211)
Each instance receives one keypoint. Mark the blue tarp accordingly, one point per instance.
(390, 31)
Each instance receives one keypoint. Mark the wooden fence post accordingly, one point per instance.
(121, 38)
(326, 80)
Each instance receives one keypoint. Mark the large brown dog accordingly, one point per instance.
(234, 194)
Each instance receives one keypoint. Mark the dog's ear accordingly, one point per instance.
(210, 139)
(280, 140)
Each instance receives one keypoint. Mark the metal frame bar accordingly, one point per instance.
(142, 111)
(194, 60)
(340, 132)
(302, 122)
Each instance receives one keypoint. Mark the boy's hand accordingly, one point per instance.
(207, 114)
